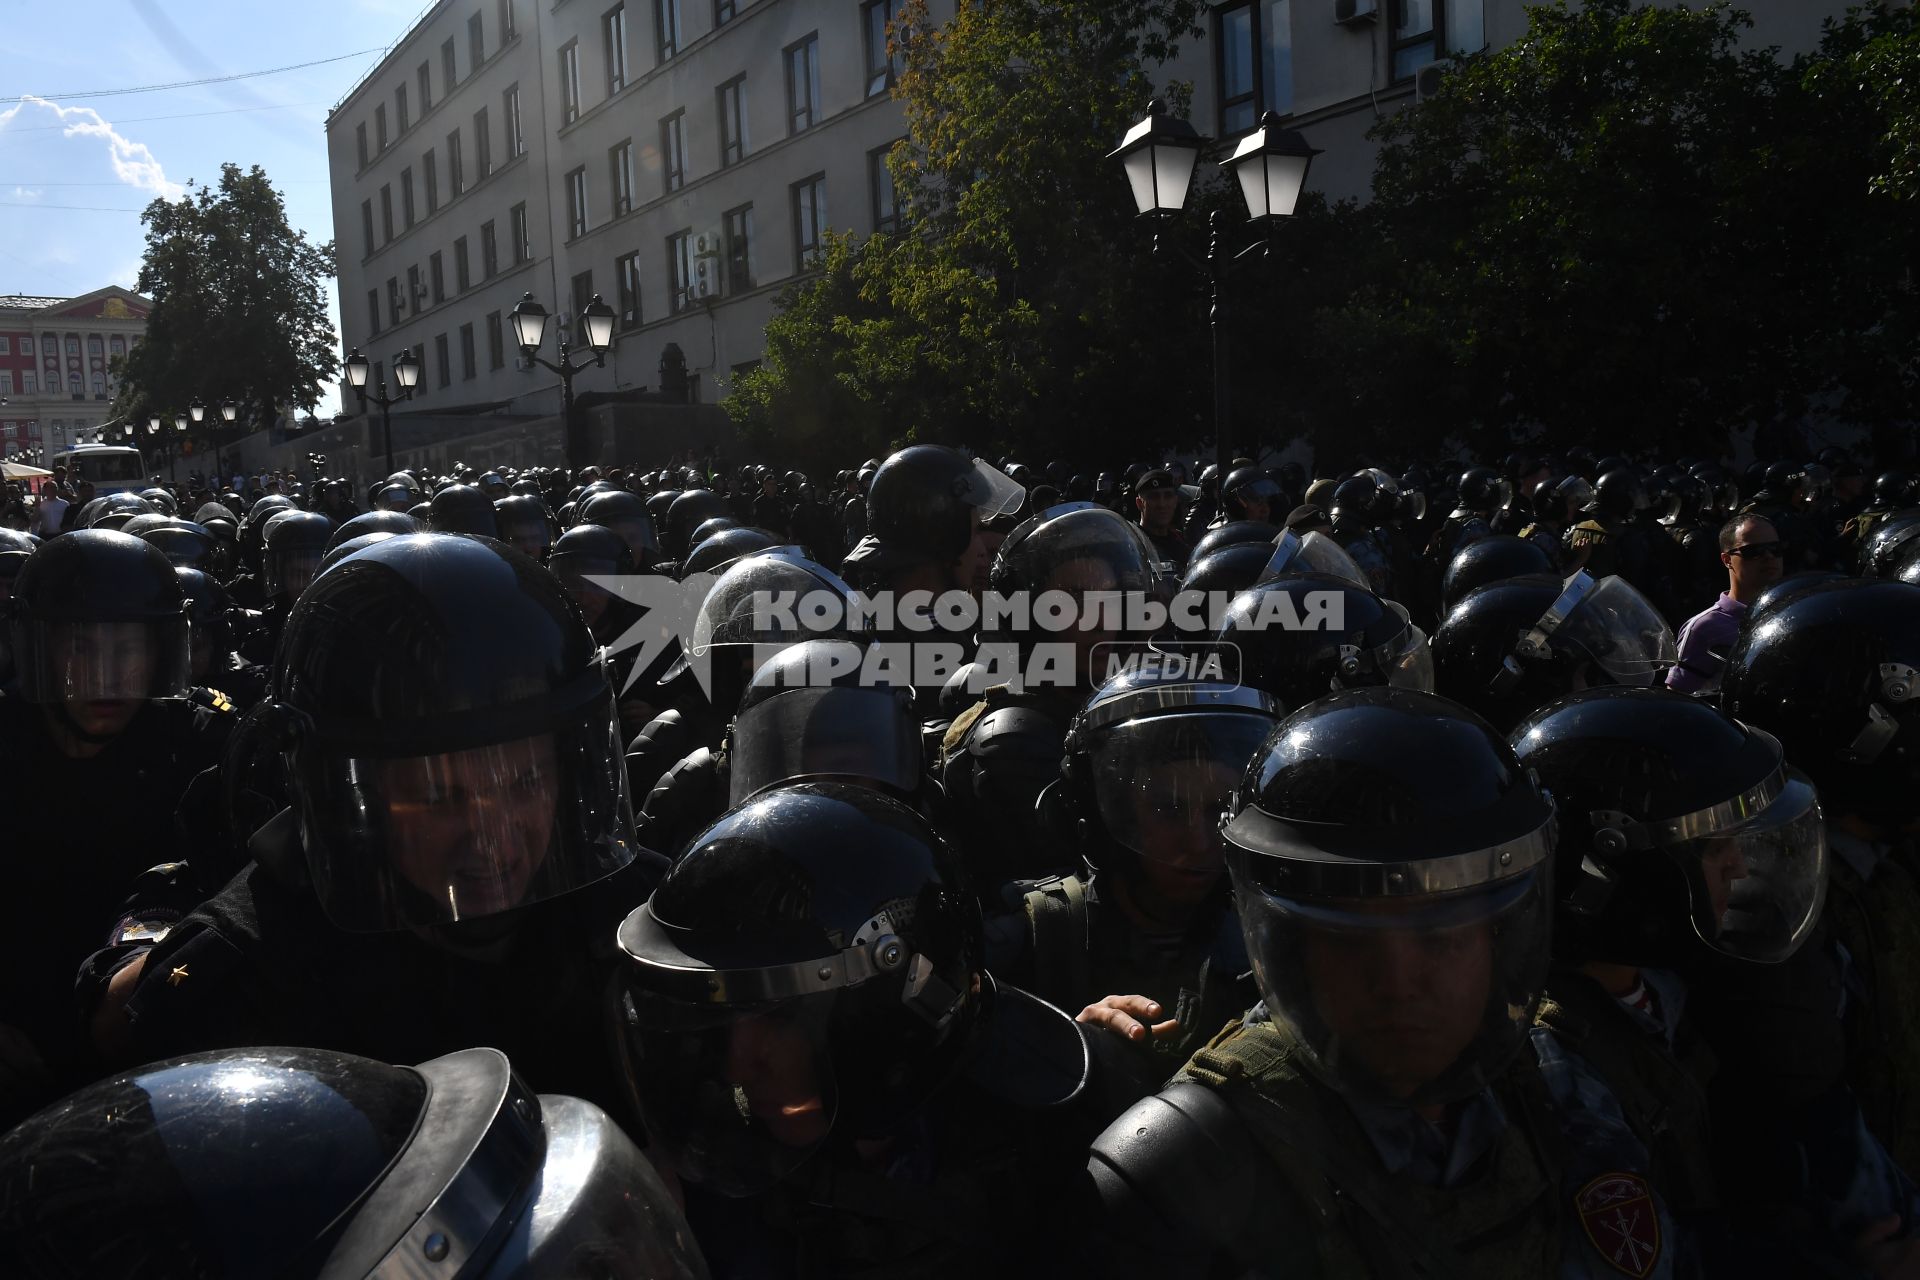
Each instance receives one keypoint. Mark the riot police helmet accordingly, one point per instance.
(717, 552)
(187, 543)
(373, 522)
(295, 542)
(1679, 826)
(816, 710)
(1892, 490)
(1883, 546)
(98, 622)
(1232, 532)
(524, 524)
(1311, 553)
(687, 512)
(1250, 494)
(1304, 635)
(927, 499)
(1494, 558)
(1620, 493)
(462, 508)
(1231, 569)
(708, 528)
(1391, 864)
(626, 514)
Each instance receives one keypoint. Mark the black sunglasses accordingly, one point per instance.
(1777, 550)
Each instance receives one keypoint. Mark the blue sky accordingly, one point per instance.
(75, 172)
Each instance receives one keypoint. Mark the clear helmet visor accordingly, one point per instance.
(733, 1097)
(1757, 889)
(1162, 783)
(290, 571)
(1407, 1001)
(859, 735)
(774, 598)
(404, 841)
(990, 491)
(59, 661)
(1313, 553)
(1617, 628)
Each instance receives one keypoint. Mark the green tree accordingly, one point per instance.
(1019, 306)
(239, 308)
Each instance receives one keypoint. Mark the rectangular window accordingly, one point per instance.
(506, 21)
(613, 28)
(360, 140)
(462, 277)
(386, 214)
(99, 387)
(6, 346)
(489, 251)
(673, 150)
(380, 125)
(733, 121)
(476, 43)
(1236, 72)
(809, 220)
(666, 28)
(416, 292)
(886, 201)
(482, 145)
(366, 225)
(510, 120)
(680, 269)
(1411, 41)
(456, 172)
(570, 83)
(393, 301)
(582, 297)
(1276, 56)
(620, 172)
(440, 358)
(883, 69)
(431, 173)
(406, 196)
(400, 106)
(6, 389)
(449, 73)
(29, 386)
(803, 84)
(577, 203)
(373, 310)
(437, 275)
(426, 89)
(1466, 25)
(737, 227)
(496, 346)
(26, 345)
(626, 273)
(517, 228)
(466, 353)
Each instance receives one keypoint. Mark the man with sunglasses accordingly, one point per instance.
(1755, 557)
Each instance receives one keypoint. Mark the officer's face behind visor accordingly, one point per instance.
(1756, 889)
(100, 672)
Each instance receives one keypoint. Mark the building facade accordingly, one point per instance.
(681, 159)
(56, 365)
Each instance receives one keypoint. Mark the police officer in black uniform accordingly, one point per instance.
(1158, 499)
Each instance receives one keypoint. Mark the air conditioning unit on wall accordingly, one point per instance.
(1350, 13)
(1427, 80)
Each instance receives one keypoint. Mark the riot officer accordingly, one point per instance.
(1832, 673)
(1354, 527)
(1250, 494)
(294, 543)
(1511, 647)
(1687, 843)
(459, 844)
(1306, 634)
(924, 514)
(819, 1053)
(1388, 1109)
(1607, 542)
(462, 508)
(626, 514)
(1556, 504)
(97, 745)
(524, 524)
(1482, 491)
(223, 681)
(690, 509)
(1141, 938)
(1494, 558)
(302, 1161)
(1158, 500)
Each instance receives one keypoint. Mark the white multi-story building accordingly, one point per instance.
(681, 158)
(56, 365)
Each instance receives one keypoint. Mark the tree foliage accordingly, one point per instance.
(239, 308)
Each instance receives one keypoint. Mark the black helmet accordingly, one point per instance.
(659, 504)
(1882, 549)
(1233, 532)
(687, 512)
(922, 497)
(1690, 500)
(1087, 552)
(715, 554)
(1304, 635)
(707, 528)
(186, 543)
(1482, 490)
(735, 631)
(308, 1162)
(1391, 866)
(494, 485)
(1311, 553)
(1678, 826)
(367, 522)
(209, 620)
(1786, 589)
(295, 542)
(1784, 479)
(78, 601)
(162, 500)
(1892, 490)
(524, 524)
(626, 514)
(1249, 485)
(1148, 767)
(1494, 558)
(1231, 569)
(461, 508)
(814, 710)
(1353, 503)
(454, 735)
(823, 927)
(1834, 673)
(1620, 492)
(1511, 647)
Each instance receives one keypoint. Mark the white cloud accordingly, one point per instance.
(29, 193)
(132, 162)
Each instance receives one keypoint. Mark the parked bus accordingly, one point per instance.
(111, 468)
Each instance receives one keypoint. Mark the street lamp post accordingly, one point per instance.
(529, 331)
(406, 374)
(1159, 155)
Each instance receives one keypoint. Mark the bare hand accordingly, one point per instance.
(1879, 1254)
(1130, 1017)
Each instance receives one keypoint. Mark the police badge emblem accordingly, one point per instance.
(1622, 1222)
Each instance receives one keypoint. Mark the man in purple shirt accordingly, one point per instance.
(1750, 547)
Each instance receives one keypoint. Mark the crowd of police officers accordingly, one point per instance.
(375, 904)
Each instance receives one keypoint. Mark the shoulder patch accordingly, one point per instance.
(1623, 1225)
